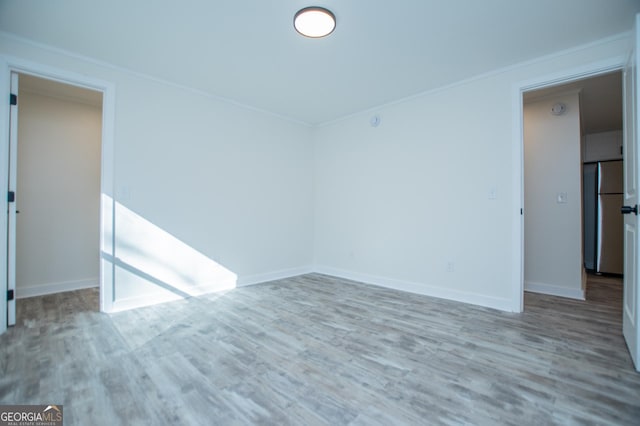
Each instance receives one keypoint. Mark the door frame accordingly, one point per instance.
(518, 89)
(107, 206)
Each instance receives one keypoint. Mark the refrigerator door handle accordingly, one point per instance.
(629, 210)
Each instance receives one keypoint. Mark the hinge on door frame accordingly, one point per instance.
(10, 295)
(11, 196)
(13, 99)
(521, 212)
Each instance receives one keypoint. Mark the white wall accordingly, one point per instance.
(553, 227)
(58, 195)
(233, 184)
(407, 204)
(216, 192)
(410, 204)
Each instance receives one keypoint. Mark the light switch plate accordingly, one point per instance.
(561, 198)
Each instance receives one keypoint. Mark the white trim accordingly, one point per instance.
(537, 97)
(573, 74)
(51, 288)
(219, 287)
(5, 90)
(144, 300)
(554, 290)
(148, 77)
(481, 76)
(248, 280)
(19, 65)
(502, 304)
(566, 76)
(517, 189)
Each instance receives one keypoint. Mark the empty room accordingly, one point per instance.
(319, 213)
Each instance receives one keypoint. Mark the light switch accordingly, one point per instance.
(561, 198)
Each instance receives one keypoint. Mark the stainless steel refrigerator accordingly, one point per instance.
(603, 222)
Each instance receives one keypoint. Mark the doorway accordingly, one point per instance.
(573, 234)
(8, 67)
(57, 187)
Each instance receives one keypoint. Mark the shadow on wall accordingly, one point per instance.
(152, 266)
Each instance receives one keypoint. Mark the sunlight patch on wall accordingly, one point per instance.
(152, 266)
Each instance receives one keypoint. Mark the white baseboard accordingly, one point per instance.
(502, 304)
(50, 288)
(272, 276)
(167, 295)
(163, 297)
(420, 288)
(554, 290)
(142, 301)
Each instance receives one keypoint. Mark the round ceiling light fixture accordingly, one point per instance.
(314, 22)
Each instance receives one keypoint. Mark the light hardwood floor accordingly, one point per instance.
(319, 350)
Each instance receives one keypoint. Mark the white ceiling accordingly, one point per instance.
(382, 50)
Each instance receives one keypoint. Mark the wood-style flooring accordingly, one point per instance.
(316, 350)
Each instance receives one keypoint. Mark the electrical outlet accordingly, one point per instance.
(450, 267)
(493, 193)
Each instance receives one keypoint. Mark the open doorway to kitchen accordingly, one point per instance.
(573, 173)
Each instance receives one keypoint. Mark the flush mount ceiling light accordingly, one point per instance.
(314, 22)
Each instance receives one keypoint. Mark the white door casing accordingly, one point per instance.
(5, 90)
(12, 210)
(631, 300)
(9, 66)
